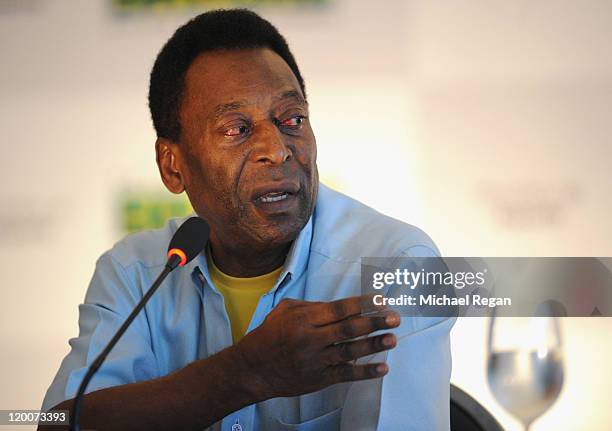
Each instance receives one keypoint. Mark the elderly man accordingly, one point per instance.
(265, 330)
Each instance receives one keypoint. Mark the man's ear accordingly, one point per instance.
(167, 156)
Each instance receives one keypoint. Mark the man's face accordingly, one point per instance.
(247, 152)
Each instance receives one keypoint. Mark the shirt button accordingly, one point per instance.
(236, 427)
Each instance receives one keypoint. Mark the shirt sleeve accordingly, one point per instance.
(415, 394)
(110, 298)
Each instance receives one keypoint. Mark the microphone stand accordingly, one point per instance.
(172, 263)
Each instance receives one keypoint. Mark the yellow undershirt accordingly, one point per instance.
(241, 295)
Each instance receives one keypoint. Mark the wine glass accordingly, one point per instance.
(525, 364)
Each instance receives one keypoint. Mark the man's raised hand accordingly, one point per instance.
(305, 346)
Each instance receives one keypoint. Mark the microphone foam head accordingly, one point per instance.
(189, 239)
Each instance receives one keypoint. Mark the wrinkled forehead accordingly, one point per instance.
(250, 76)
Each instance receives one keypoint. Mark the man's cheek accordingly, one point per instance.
(307, 159)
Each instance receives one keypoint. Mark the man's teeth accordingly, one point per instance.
(273, 197)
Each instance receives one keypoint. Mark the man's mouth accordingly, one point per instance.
(275, 192)
(273, 197)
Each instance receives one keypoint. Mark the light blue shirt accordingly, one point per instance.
(186, 320)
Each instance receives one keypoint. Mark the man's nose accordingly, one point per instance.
(269, 146)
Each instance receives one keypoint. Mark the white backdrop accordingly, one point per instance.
(486, 123)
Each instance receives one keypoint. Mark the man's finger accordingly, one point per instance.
(349, 372)
(351, 350)
(334, 311)
(358, 326)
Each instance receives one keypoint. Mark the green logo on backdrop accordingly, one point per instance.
(150, 210)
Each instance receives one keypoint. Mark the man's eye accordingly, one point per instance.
(293, 121)
(237, 130)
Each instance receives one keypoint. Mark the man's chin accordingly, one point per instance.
(278, 223)
(277, 230)
(280, 233)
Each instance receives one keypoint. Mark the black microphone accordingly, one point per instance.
(188, 241)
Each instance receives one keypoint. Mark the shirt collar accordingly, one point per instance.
(295, 263)
(297, 258)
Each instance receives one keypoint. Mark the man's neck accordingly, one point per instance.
(248, 263)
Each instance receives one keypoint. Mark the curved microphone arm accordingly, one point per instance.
(75, 412)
